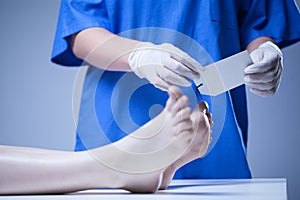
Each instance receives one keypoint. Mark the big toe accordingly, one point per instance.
(203, 106)
(174, 92)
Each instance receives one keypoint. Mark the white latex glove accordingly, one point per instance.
(263, 77)
(163, 65)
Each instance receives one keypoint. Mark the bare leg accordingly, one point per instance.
(31, 170)
(138, 169)
(202, 123)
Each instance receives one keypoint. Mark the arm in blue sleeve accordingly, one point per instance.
(277, 19)
(74, 16)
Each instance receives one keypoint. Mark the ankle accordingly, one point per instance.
(97, 175)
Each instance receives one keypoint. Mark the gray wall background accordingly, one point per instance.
(36, 96)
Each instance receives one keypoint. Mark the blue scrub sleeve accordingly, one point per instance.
(74, 16)
(278, 19)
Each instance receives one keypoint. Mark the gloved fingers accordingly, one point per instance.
(190, 66)
(171, 77)
(161, 87)
(279, 68)
(257, 67)
(268, 76)
(165, 83)
(260, 67)
(261, 77)
(263, 93)
(263, 86)
(262, 63)
(266, 89)
(178, 68)
(257, 55)
(159, 83)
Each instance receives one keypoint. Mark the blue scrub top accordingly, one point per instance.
(113, 104)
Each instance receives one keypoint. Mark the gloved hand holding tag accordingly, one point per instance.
(163, 65)
(223, 75)
(264, 75)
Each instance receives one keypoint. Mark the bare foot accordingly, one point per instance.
(141, 157)
(161, 131)
(202, 123)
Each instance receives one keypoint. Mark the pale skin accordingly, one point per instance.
(108, 51)
(179, 133)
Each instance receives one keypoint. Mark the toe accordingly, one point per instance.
(203, 106)
(183, 114)
(174, 92)
(181, 103)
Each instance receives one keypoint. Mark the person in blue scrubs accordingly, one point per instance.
(115, 101)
